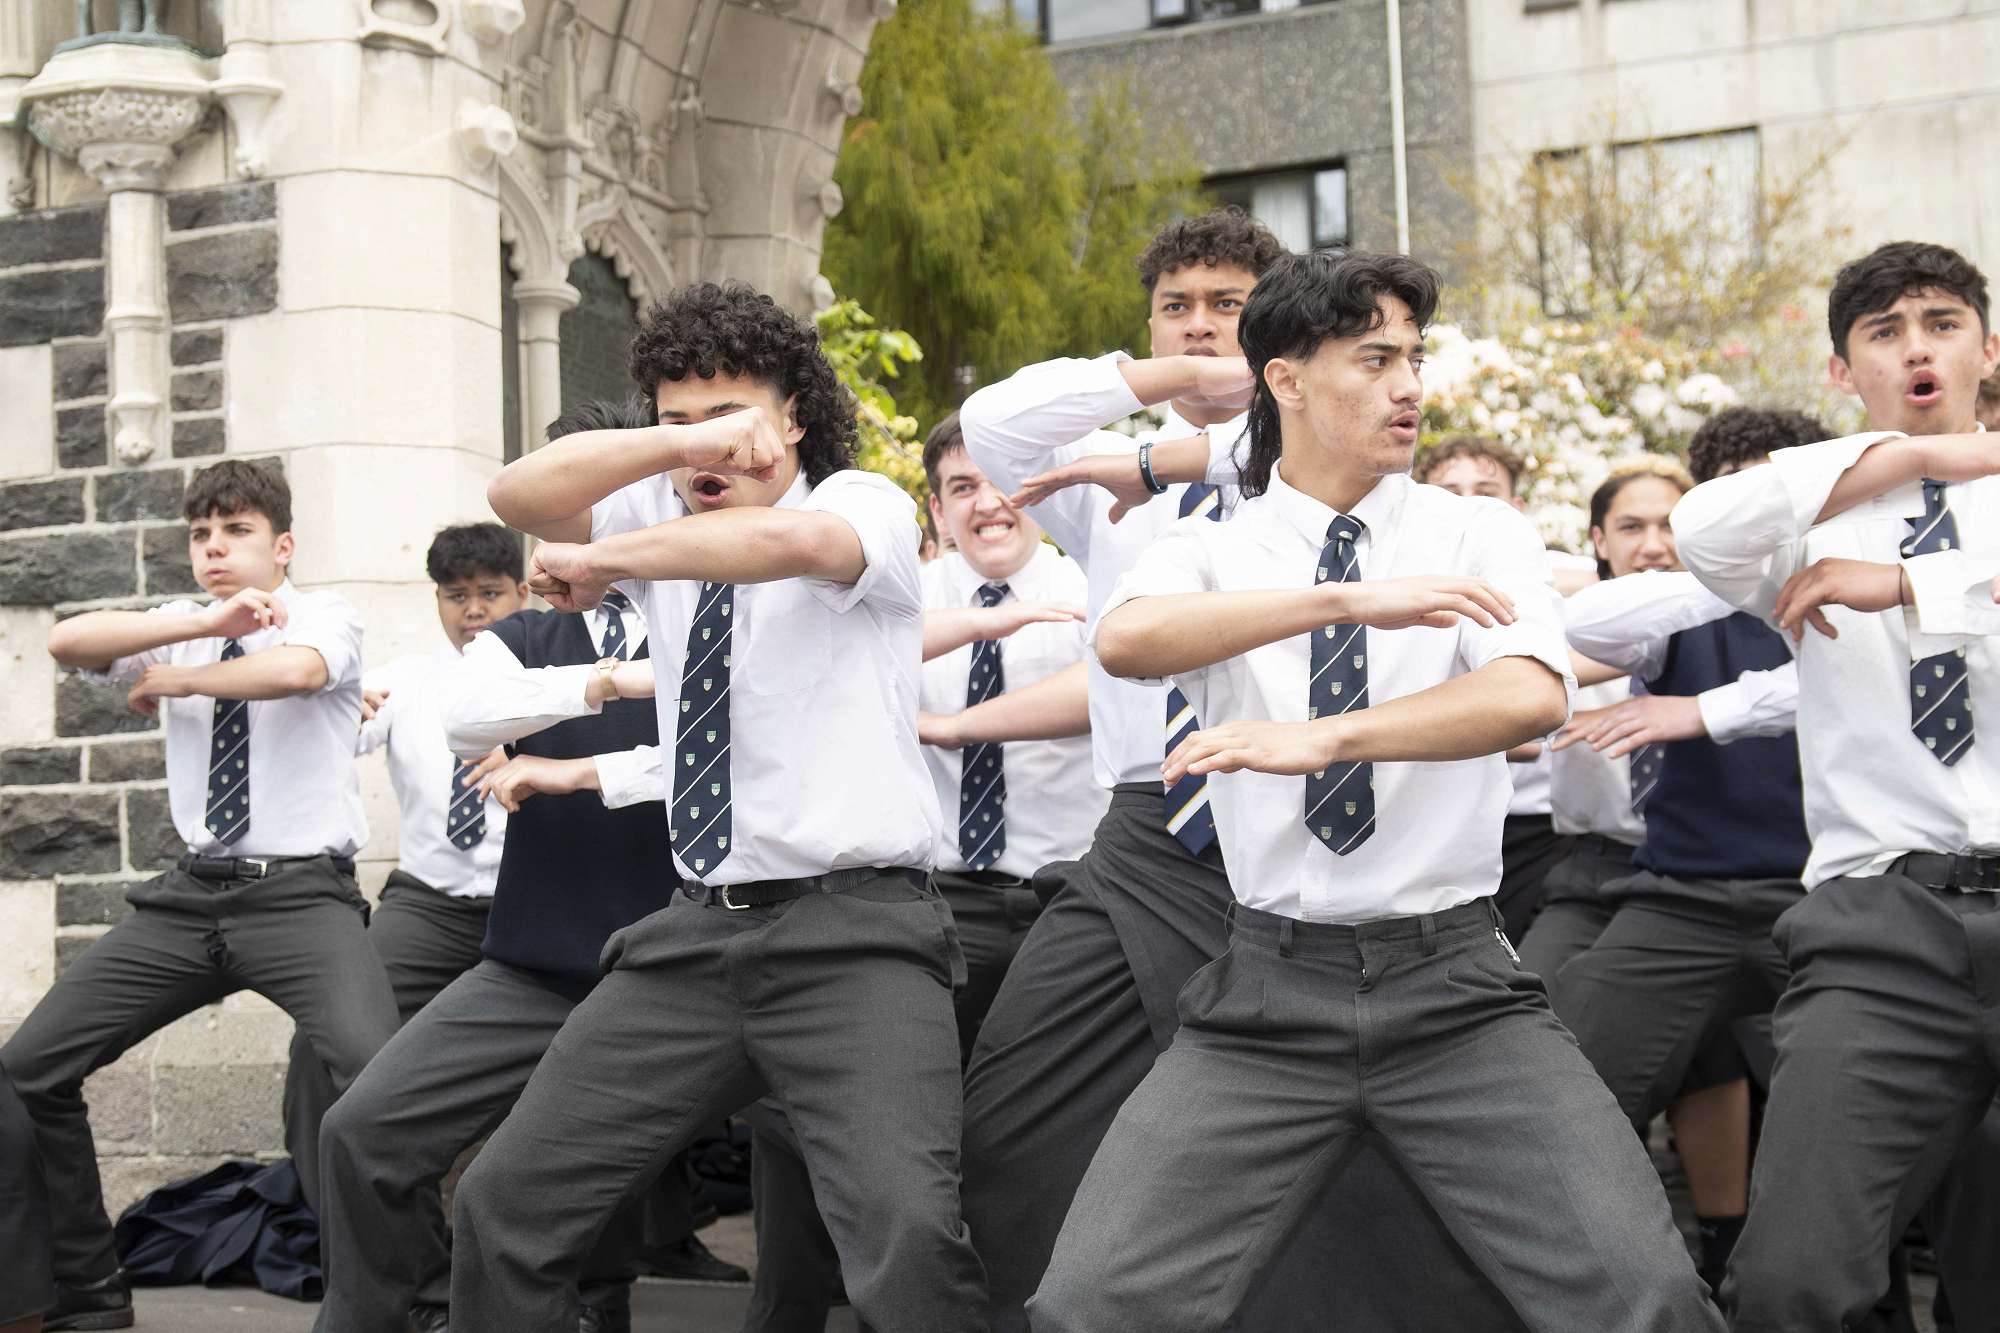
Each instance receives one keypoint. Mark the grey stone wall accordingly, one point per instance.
(85, 810)
(1308, 86)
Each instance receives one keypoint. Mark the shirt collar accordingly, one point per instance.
(962, 580)
(1310, 518)
(1173, 425)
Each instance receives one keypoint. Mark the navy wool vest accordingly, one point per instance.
(1732, 811)
(573, 872)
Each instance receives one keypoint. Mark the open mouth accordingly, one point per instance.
(1405, 424)
(709, 489)
(993, 532)
(1923, 389)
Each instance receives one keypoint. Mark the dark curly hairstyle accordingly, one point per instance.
(1302, 301)
(1891, 272)
(634, 413)
(1743, 435)
(471, 549)
(711, 329)
(1220, 236)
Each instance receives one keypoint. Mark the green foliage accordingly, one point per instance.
(864, 356)
(983, 215)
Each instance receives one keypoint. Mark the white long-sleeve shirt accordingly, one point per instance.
(1872, 791)
(1051, 414)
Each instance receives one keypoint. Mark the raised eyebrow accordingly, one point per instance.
(1881, 317)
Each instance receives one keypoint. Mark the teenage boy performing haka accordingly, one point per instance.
(1403, 639)
(808, 956)
(261, 694)
(1878, 552)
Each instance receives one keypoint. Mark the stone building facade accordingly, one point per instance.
(381, 242)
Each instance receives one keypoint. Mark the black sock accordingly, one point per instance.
(1718, 1238)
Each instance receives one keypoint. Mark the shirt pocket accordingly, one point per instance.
(790, 641)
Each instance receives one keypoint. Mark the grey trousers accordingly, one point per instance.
(1679, 963)
(25, 1287)
(1530, 848)
(425, 939)
(446, 1079)
(1888, 1060)
(992, 914)
(1573, 911)
(1080, 1019)
(297, 937)
(836, 1004)
(1426, 1030)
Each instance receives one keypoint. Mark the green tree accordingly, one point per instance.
(865, 356)
(983, 214)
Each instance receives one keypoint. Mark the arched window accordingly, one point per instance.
(596, 334)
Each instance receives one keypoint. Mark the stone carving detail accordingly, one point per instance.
(486, 131)
(542, 91)
(68, 122)
(827, 195)
(381, 24)
(493, 20)
(843, 91)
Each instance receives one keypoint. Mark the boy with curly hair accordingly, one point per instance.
(807, 956)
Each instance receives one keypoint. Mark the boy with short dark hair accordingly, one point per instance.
(431, 916)
(1878, 554)
(260, 693)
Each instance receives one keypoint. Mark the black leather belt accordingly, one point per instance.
(252, 867)
(1966, 874)
(766, 892)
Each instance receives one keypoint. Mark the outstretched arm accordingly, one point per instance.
(1508, 702)
(748, 545)
(549, 493)
(1151, 638)
(274, 673)
(96, 639)
(948, 630)
(1050, 709)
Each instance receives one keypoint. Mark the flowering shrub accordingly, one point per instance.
(866, 357)
(1570, 400)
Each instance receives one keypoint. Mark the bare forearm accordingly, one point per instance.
(96, 639)
(1503, 704)
(1160, 379)
(549, 492)
(1588, 671)
(948, 631)
(1152, 638)
(750, 545)
(1050, 709)
(275, 673)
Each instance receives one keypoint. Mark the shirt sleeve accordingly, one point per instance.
(1228, 449)
(1041, 417)
(1508, 554)
(1953, 600)
(1756, 703)
(1744, 535)
(885, 519)
(1627, 622)
(330, 626)
(374, 733)
(629, 777)
(1175, 564)
(630, 508)
(130, 668)
(490, 699)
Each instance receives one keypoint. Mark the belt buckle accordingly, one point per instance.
(263, 867)
(731, 903)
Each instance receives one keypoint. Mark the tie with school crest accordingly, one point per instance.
(1189, 817)
(1340, 800)
(698, 824)
(982, 785)
(228, 810)
(1940, 711)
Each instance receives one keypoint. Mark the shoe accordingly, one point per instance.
(105, 1303)
(690, 1261)
(597, 1320)
(430, 1319)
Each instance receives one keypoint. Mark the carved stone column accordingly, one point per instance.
(121, 110)
(542, 303)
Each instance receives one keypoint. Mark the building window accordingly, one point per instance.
(1075, 20)
(1699, 184)
(1564, 212)
(1307, 210)
(596, 334)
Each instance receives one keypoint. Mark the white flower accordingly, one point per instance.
(1647, 401)
(1653, 371)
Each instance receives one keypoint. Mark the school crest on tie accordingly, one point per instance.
(715, 789)
(1350, 809)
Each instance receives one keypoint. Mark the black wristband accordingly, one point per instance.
(1153, 483)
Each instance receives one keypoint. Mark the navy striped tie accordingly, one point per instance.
(698, 823)
(1189, 817)
(1340, 800)
(465, 819)
(228, 812)
(1646, 763)
(1940, 705)
(982, 784)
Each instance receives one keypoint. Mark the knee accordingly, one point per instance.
(483, 1194)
